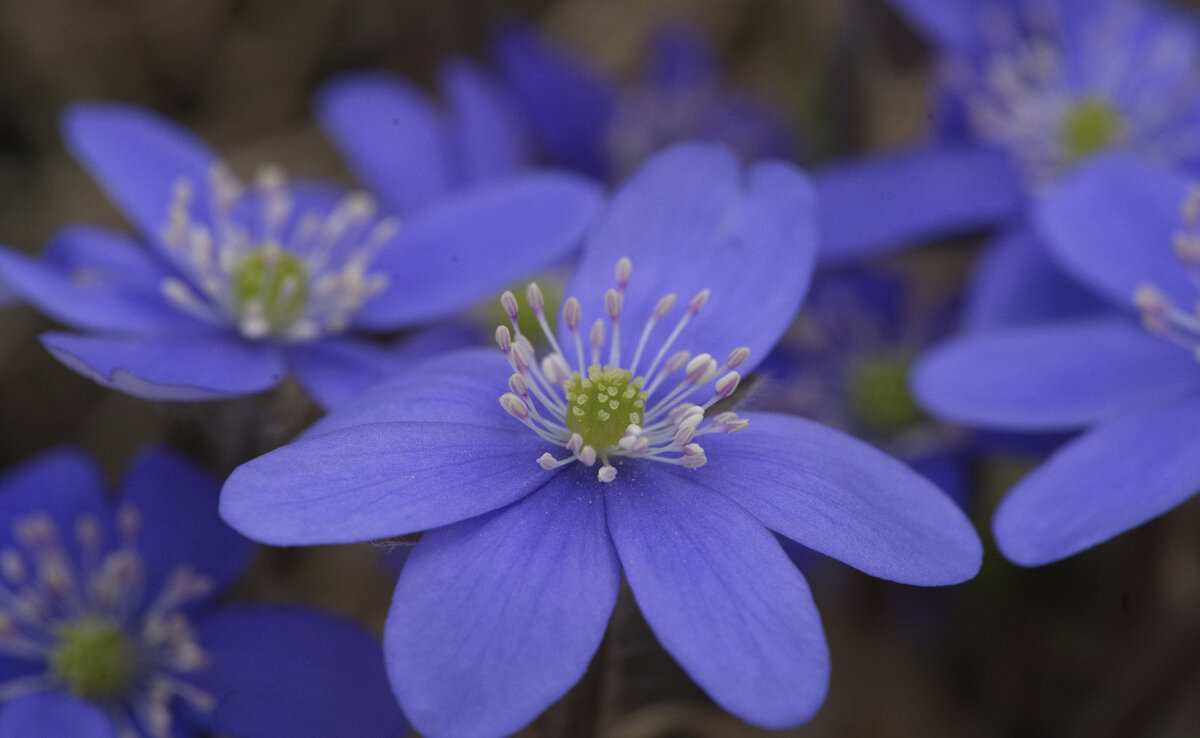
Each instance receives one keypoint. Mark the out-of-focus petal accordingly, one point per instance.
(391, 134)
(468, 247)
(1059, 376)
(176, 499)
(52, 714)
(874, 204)
(489, 141)
(1105, 482)
(337, 368)
(293, 672)
(172, 367)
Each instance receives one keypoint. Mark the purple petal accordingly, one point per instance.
(1015, 282)
(137, 157)
(1054, 377)
(87, 301)
(337, 368)
(391, 134)
(690, 220)
(294, 673)
(955, 25)
(874, 204)
(53, 714)
(496, 617)
(471, 246)
(381, 480)
(91, 254)
(63, 483)
(843, 498)
(1111, 226)
(569, 105)
(174, 367)
(720, 595)
(1105, 482)
(177, 501)
(458, 387)
(490, 142)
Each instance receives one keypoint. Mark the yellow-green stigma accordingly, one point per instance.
(1089, 126)
(272, 285)
(877, 390)
(604, 404)
(93, 658)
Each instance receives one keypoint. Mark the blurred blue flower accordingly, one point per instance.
(109, 623)
(410, 150)
(845, 363)
(506, 597)
(1115, 226)
(583, 120)
(1027, 91)
(242, 285)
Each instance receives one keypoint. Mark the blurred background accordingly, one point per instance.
(1104, 644)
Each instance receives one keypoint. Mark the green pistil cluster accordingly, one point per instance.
(602, 406)
(273, 282)
(879, 396)
(93, 658)
(1089, 126)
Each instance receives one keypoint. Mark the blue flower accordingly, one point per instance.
(584, 121)
(408, 149)
(1027, 91)
(845, 363)
(1135, 389)
(242, 285)
(109, 622)
(604, 458)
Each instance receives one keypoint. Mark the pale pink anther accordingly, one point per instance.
(516, 383)
(597, 339)
(587, 455)
(612, 304)
(509, 302)
(533, 296)
(725, 386)
(607, 473)
(676, 362)
(623, 273)
(701, 369)
(697, 302)
(663, 307)
(555, 368)
(572, 313)
(515, 406)
(737, 357)
(575, 443)
(503, 338)
(547, 462)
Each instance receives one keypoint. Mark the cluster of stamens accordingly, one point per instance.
(273, 273)
(600, 411)
(1127, 91)
(85, 618)
(1160, 314)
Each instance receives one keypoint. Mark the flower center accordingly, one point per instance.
(93, 658)
(604, 404)
(614, 410)
(271, 284)
(1089, 126)
(877, 389)
(271, 269)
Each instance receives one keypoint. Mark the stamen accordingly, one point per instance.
(601, 412)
